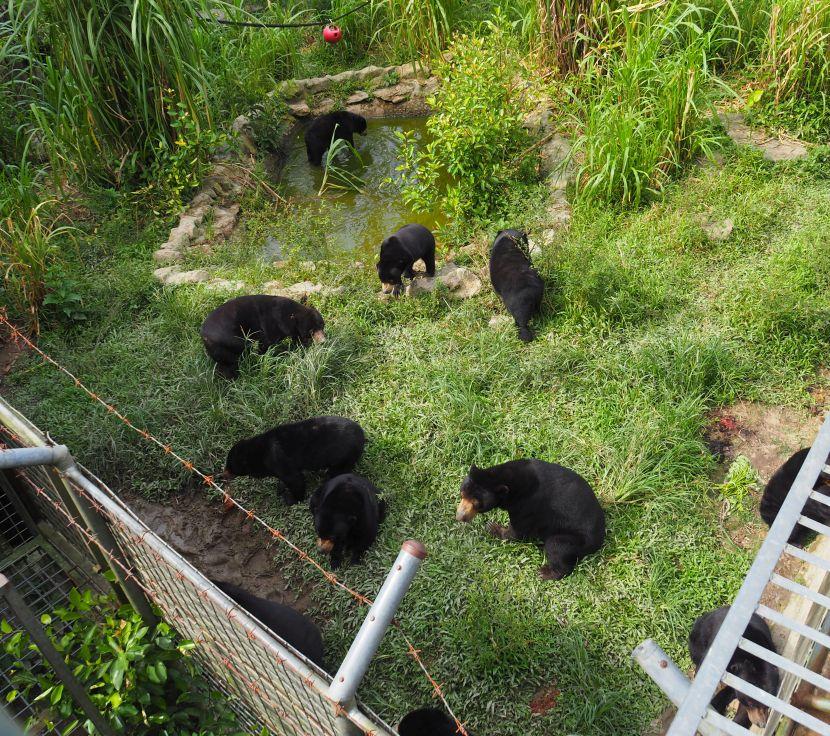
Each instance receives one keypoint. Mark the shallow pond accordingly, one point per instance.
(361, 219)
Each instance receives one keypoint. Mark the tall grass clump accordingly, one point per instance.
(476, 131)
(642, 105)
(17, 83)
(795, 68)
(103, 106)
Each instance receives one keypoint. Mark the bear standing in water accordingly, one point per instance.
(342, 125)
(347, 514)
(515, 280)
(399, 252)
(544, 501)
(748, 667)
(267, 319)
(334, 444)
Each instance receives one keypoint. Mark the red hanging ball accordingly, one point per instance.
(332, 33)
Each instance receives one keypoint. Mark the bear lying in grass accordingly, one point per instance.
(515, 280)
(333, 444)
(342, 125)
(748, 667)
(347, 514)
(545, 502)
(290, 625)
(399, 252)
(428, 722)
(776, 493)
(267, 319)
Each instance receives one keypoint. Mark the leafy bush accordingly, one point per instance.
(643, 104)
(476, 130)
(180, 166)
(139, 678)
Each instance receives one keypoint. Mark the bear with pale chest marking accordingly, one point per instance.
(545, 502)
(515, 280)
(342, 125)
(776, 493)
(428, 722)
(333, 444)
(399, 252)
(748, 667)
(267, 319)
(290, 625)
(347, 513)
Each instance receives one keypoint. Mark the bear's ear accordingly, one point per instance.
(502, 491)
(474, 468)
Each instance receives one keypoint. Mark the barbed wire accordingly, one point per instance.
(229, 500)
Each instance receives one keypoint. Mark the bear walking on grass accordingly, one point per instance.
(334, 444)
(290, 625)
(546, 502)
(342, 125)
(515, 280)
(399, 252)
(748, 667)
(776, 492)
(347, 514)
(267, 319)
(428, 722)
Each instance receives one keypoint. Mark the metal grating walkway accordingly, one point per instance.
(808, 638)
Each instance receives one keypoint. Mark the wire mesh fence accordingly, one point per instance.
(269, 684)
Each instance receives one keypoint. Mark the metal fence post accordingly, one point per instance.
(365, 644)
(38, 635)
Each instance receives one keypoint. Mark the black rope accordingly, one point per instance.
(312, 24)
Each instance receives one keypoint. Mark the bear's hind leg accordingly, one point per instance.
(562, 552)
(429, 262)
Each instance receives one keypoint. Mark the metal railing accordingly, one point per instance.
(269, 684)
(808, 629)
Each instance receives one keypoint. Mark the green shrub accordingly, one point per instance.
(476, 130)
(140, 678)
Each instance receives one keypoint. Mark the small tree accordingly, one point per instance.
(476, 133)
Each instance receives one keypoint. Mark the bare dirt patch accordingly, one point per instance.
(545, 699)
(222, 546)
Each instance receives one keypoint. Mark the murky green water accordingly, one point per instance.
(361, 219)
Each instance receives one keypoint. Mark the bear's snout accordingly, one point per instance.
(325, 545)
(387, 287)
(758, 715)
(318, 336)
(226, 475)
(466, 511)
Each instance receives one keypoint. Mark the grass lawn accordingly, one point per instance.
(647, 327)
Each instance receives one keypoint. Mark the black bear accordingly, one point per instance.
(290, 625)
(400, 251)
(267, 319)
(334, 444)
(341, 125)
(515, 280)
(347, 513)
(748, 667)
(777, 490)
(544, 501)
(428, 722)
